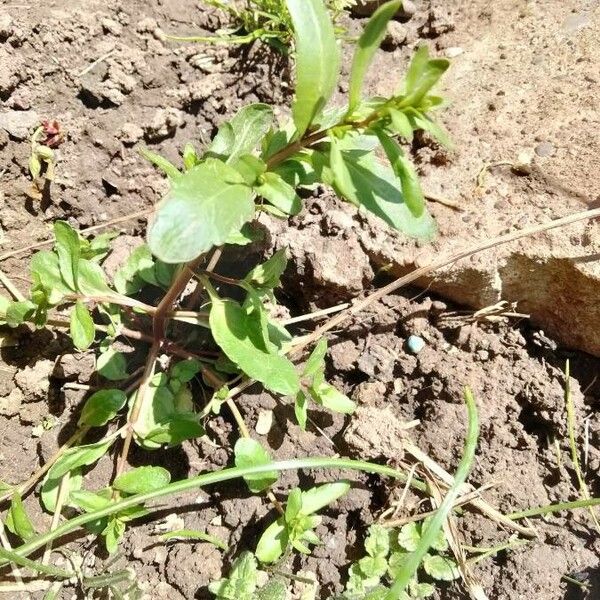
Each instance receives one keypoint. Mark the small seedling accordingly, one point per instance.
(387, 551)
(295, 527)
(266, 20)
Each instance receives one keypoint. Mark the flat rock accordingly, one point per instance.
(19, 123)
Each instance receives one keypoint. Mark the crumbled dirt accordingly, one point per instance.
(523, 79)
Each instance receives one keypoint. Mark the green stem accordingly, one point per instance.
(410, 567)
(9, 556)
(552, 508)
(201, 481)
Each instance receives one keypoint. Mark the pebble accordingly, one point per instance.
(18, 123)
(415, 344)
(110, 26)
(453, 51)
(395, 36)
(544, 149)
(131, 134)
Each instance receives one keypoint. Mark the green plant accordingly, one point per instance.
(251, 165)
(295, 526)
(386, 551)
(265, 20)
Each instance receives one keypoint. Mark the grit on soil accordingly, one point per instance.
(105, 71)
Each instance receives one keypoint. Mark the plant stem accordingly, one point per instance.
(200, 481)
(552, 508)
(410, 566)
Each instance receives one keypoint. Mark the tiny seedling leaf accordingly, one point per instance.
(249, 453)
(441, 568)
(142, 480)
(268, 274)
(378, 541)
(316, 361)
(275, 190)
(402, 167)
(242, 581)
(409, 536)
(203, 208)
(326, 395)
(316, 498)
(317, 60)
(68, 249)
(160, 162)
(82, 327)
(137, 270)
(80, 456)
(301, 409)
(368, 43)
(101, 407)
(273, 542)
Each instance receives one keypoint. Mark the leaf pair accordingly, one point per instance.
(315, 387)
(295, 526)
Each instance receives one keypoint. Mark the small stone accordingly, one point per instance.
(34, 380)
(131, 134)
(164, 124)
(6, 27)
(395, 36)
(147, 25)
(415, 344)
(453, 51)
(110, 26)
(369, 392)
(344, 355)
(522, 165)
(18, 123)
(483, 355)
(544, 149)
(11, 404)
(264, 422)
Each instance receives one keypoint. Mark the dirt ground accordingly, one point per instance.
(523, 79)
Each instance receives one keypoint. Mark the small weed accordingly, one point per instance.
(266, 20)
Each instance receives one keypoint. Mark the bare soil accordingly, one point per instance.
(145, 90)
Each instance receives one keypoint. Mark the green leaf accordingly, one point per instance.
(396, 562)
(274, 589)
(82, 326)
(137, 270)
(246, 235)
(268, 274)
(243, 133)
(80, 456)
(368, 43)
(318, 497)
(301, 409)
(316, 361)
(17, 520)
(273, 542)
(185, 370)
(142, 480)
(168, 168)
(364, 181)
(242, 581)
(441, 568)
(112, 365)
(409, 536)
(374, 567)
(19, 312)
(204, 207)
(440, 543)
(89, 501)
(51, 487)
(190, 156)
(401, 124)
(420, 80)
(250, 168)
(279, 193)
(113, 532)
(421, 121)
(176, 429)
(293, 505)
(326, 395)
(249, 453)
(317, 60)
(416, 69)
(402, 167)
(101, 407)
(92, 280)
(68, 249)
(45, 273)
(239, 336)
(378, 541)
